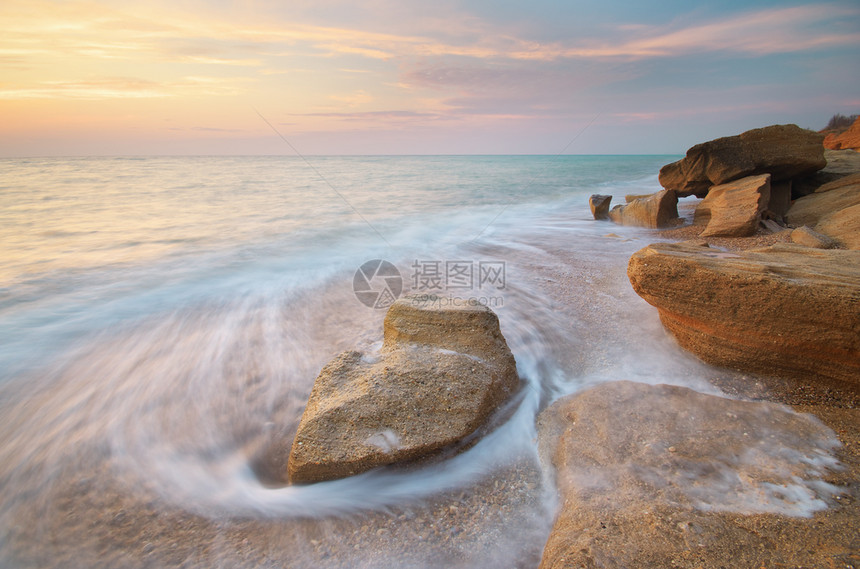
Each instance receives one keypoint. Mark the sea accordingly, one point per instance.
(162, 321)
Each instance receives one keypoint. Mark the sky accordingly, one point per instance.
(311, 77)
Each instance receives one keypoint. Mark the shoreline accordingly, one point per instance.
(761, 540)
(96, 517)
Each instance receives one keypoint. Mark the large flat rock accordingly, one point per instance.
(663, 476)
(443, 370)
(783, 151)
(787, 310)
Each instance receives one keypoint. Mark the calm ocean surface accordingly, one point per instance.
(162, 321)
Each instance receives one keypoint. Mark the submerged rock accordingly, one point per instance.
(663, 476)
(442, 371)
(599, 206)
(734, 209)
(786, 310)
(656, 210)
(783, 151)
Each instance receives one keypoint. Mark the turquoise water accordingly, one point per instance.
(162, 321)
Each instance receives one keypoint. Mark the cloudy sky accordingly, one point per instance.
(416, 77)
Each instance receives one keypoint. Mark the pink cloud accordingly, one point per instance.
(780, 30)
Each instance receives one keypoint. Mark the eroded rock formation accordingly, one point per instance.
(786, 310)
(783, 151)
(734, 209)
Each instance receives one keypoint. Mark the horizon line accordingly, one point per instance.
(276, 155)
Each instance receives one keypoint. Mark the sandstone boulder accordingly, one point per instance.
(599, 206)
(786, 310)
(843, 226)
(810, 238)
(783, 151)
(734, 209)
(442, 371)
(663, 476)
(630, 197)
(809, 210)
(840, 163)
(852, 179)
(653, 211)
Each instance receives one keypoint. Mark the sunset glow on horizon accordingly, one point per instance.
(459, 77)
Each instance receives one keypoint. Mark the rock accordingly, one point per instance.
(785, 310)
(599, 206)
(810, 238)
(843, 226)
(697, 242)
(630, 197)
(783, 151)
(442, 371)
(839, 183)
(780, 200)
(809, 210)
(663, 476)
(657, 210)
(847, 139)
(734, 209)
(773, 226)
(840, 163)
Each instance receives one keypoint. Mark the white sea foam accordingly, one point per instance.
(163, 367)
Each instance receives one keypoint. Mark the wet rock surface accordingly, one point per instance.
(653, 211)
(599, 205)
(443, 370)
(663, 476)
